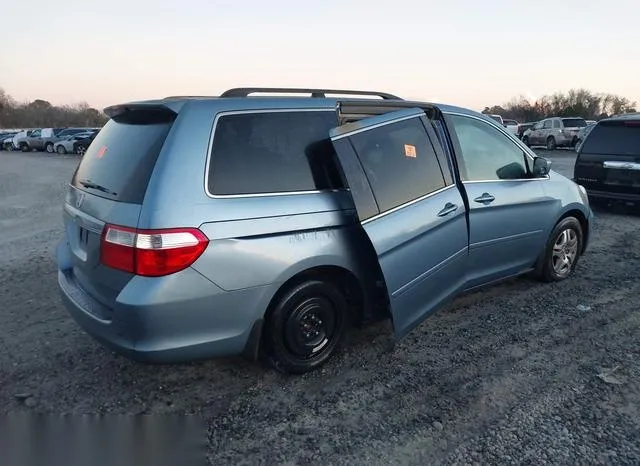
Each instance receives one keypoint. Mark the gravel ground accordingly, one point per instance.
(521, 373)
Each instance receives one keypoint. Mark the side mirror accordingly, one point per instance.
(541, 166)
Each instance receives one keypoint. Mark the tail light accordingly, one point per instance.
(151, 253)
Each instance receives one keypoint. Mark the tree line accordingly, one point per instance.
(42, 114)
(576, 102)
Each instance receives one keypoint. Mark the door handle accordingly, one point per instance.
(486, 198)
(448, 209)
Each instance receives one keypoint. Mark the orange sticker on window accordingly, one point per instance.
(410, 151)
(102, 151)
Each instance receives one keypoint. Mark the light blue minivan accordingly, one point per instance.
(266, 225)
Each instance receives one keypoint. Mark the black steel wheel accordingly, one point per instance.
(305, 327)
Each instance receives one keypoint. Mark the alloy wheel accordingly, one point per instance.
(565, 251)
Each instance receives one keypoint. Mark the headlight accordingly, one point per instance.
(583, 194)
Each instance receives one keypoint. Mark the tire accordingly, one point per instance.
(551, 143)
(61, 150)
(306, 326)
(562, 251)
(49, 147)
(525, 140)
(80, 150)
(24, 147)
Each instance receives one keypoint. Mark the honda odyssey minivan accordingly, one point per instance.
(207, 226)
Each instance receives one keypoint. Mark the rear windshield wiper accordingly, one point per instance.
(91, 185)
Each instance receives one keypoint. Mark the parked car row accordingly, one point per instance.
(60, 140)
(551, 132)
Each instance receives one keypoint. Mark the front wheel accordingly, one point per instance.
(551, 143)
(61, 150)
(305, 327)
(49, 148)
(562, 251)
(80, 150)
(24, 147)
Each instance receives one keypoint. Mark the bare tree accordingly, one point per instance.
(576, 102)
(41, 113)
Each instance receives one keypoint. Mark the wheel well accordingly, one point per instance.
(583, 223)
(344, 279)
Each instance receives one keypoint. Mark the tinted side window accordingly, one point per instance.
(399, 162)
(556, 124)
(487, 154)
(273, 152)
(547, 124)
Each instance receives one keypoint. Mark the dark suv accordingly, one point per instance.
(608, 162)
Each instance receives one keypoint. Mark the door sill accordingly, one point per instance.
(497, 280)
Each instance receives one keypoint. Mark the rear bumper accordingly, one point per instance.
(179, 318)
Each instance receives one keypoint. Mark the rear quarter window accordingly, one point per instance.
(273, 152)
(122, 156)
(574, 122)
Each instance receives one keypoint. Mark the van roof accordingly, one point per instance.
(236, 99)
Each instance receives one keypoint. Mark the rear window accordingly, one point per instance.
(273, 152)
(69, 132)
(573, 122)
(614, 138)
(119, 161)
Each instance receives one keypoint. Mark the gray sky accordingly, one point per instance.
(465, 52)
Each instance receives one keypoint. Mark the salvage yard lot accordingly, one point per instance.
(522, 372)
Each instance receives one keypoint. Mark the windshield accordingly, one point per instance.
(574, 122)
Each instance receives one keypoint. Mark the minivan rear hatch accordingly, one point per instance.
(108, 187)
(611, 155)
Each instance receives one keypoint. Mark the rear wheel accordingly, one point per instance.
(525, 139)
(61, 150)
(562, 251)
(49, 147)
(305, 327)
(551, 143)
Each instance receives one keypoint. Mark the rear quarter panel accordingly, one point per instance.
(254, 241)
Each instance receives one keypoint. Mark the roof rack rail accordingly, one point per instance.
(320, 93)
(186, 97)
